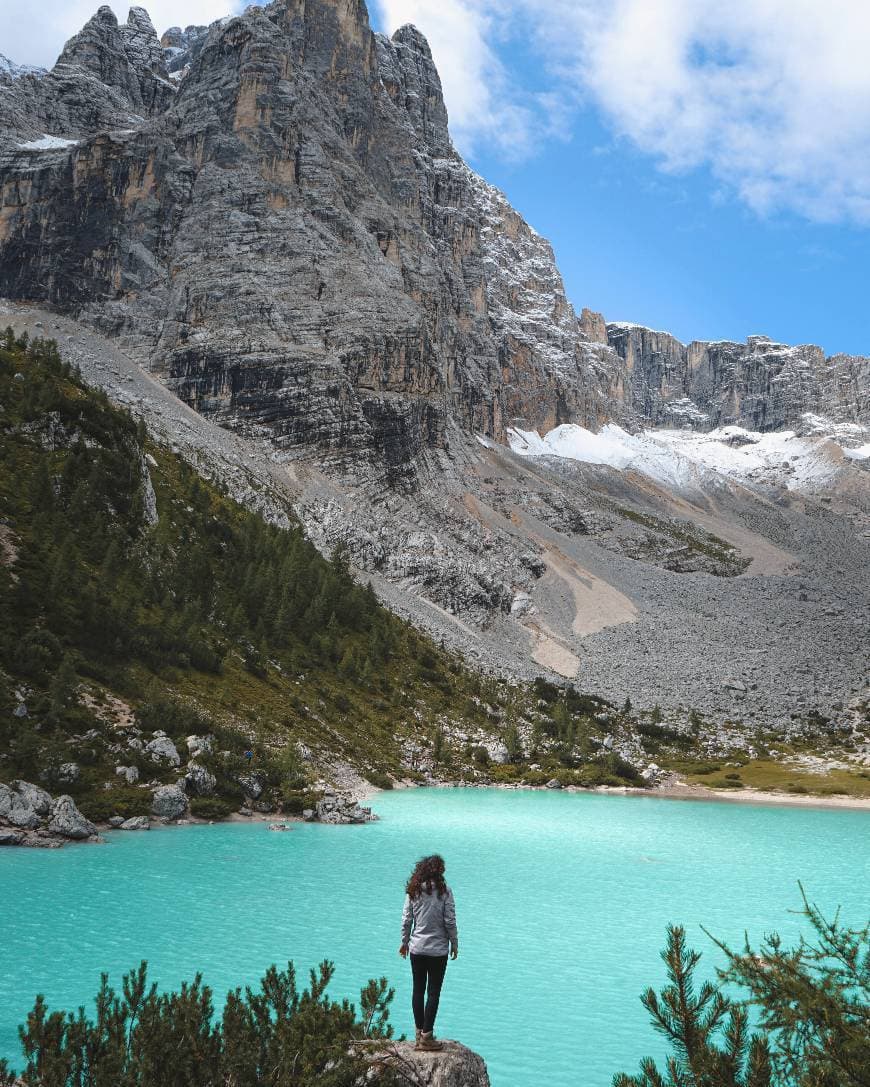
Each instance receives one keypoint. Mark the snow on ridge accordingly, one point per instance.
(47, 142)
(678, 458)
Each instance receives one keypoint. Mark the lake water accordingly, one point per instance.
(562, 902)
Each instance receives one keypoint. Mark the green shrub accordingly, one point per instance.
(535, 777)
(211, 807)
(379, 779)
(296, 801)
(270, 1036)
(127, 801)
(480, 757)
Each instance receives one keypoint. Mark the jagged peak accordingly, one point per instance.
(410, 36)
(411, 79)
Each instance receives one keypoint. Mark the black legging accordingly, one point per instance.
(428, 973)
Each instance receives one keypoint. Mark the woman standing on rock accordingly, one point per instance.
(428, 933)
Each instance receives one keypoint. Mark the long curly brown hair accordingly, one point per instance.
(428, 871)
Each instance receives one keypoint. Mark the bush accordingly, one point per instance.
(480, 757)
(379, 779)
(211, 807)
(294, 802)
(792, 1017)
(274, 1036)
(125, 801)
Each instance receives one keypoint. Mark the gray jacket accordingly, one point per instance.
(433, 921)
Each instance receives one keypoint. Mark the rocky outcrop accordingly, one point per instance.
(109, 76)
(29, 816)
(169, 802)
(198, 781)
(761, 385)
(163, 750)
(335, 809)
(67, 821)
(453, 1066)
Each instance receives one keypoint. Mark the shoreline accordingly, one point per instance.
(759, 797)
(677, 792)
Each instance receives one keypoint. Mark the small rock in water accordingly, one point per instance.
(554, 784)
(136, 822)
(278, 826)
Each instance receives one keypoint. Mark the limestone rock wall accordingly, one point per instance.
(285, 233)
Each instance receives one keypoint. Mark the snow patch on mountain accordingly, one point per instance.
(47, 142)
(679, 458)
(10, 70)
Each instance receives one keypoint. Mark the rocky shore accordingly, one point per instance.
(31, 816)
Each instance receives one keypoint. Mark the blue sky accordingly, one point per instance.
(699, 168)
(709, 185)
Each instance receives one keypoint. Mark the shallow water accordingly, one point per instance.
(562, 902)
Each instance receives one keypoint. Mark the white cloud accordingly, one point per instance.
(484, 106)
(35, 33)
(773, 96)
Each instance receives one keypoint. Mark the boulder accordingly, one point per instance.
(453, 1066)
(198, 781)
(116, 821)
(169, 802)
(162, 749)
(498, 752)
(14, 809)
(11, 837)
(252, 783)
(136, 822)
(37, 799)
(68, 773)
(554, 783)
(200, 745)
(130, 774)
(339, 810)
(68, 821)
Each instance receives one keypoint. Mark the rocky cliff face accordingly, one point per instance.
(761, 385)
(269, 215)
(285, 231)
(290, 237)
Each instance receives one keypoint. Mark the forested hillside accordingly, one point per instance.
(135, 593)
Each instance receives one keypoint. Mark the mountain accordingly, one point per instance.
(271, 218)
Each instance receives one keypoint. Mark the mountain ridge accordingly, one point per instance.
(294, 248)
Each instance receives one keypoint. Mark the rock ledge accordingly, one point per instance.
(453, 1066)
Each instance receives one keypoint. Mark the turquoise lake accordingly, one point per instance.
(562, 902)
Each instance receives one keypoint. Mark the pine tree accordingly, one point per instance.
(695, 1023)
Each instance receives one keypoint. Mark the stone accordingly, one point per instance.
(452, 1066)
(68, 773)
(554, 783)
(497, 751)
(200, 745)
(15, 809)
(735, 685)
(20, 710)
(136, 822)
(308, 814)
(130, 774)
(198, 781)
(68, 821)
(252, 783)
(33, 796)
(10, 837)
(116, 821)
(169, 802)
(163, 750)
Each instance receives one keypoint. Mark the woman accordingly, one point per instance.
(428, 933)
